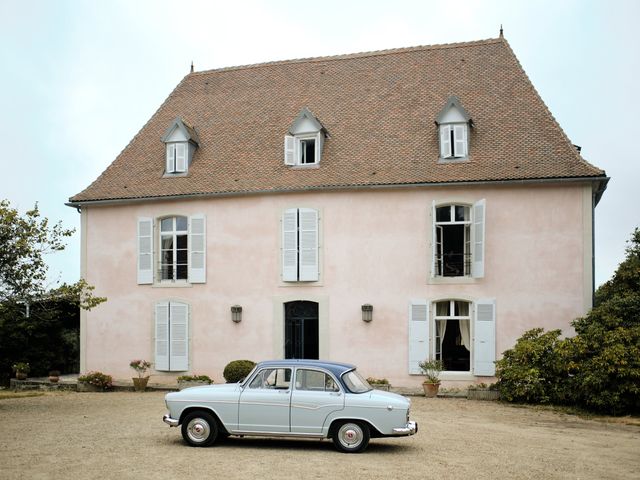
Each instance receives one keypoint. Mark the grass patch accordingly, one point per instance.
(5, 395)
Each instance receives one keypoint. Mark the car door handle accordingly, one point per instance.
(335, 394)
(282, 392)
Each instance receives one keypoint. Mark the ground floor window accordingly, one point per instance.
(452, 323)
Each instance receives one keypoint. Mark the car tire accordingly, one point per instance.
(200, 429)
(351, 437)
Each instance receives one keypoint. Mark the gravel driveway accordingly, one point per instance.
(121, 435)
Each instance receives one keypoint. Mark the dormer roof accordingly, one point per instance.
(453, 102)
(306, 122)
(187, 130)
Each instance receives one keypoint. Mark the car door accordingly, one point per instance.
(315, 395)
(265, 401)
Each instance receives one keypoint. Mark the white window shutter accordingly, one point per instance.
(171, 164)
(289, 150)
(197, 249)
(478, 236)
(308, 244)
(290, 245)
(460, 141)
(419, 339)
(179, 336)
(445, 141)
(484, 338)
(145, 250)
(181, 157)
(319, 138)
(162, 336)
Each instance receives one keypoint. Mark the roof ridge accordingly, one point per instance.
(348, 56)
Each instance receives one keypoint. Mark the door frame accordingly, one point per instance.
(279, 322)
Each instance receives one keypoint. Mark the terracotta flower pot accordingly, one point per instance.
(21, 375)
(140, 384)
(54, 379)
(430, 389)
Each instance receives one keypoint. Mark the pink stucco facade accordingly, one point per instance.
(375, 248)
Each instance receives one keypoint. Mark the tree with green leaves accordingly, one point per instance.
(38, 324)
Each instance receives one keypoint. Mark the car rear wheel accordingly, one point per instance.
(351, 437)
(200, 429)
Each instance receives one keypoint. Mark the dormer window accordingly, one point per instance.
(304, 141)
(453, 124)
(181, 142)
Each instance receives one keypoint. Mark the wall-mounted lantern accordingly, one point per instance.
(367, 312)
(236, 313)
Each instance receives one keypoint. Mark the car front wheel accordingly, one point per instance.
(200, 429)
(351, 437)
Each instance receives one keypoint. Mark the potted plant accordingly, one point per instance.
(186, 381)
(431, 370)
(379, 383)
(141, 367)
(22, 369)
(54, 376)
(94, 382)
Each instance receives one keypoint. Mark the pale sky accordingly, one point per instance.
(80, 78)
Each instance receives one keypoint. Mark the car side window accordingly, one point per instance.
(313, 380)
(272, 378)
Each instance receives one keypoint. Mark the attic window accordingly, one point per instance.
(181, 143)
(305, 139)
(453, 125)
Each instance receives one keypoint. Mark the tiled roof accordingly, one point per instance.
(379, 109)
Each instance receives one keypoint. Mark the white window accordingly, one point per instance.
(452, 339)
(180, 243)
(300, 245)
(172, 336)
(453, 141)
(177, 157)
(460, 333)
(174, 251)
(303, 149)
(458, 240)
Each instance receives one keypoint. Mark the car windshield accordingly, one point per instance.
(355, 383)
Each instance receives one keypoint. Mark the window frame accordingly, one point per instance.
(454, 154)
(312, 369)
(174, 235)
(467, 241)
(171, 159)
(435, 338)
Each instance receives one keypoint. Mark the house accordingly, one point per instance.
(377, 208)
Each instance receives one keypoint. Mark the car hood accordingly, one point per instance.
(202, 390)
(389, 398)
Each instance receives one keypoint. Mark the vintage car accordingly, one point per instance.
(292, 398)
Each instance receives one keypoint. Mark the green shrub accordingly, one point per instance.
(97, 379)
(237, 370)
(531, 371)
(195, 378)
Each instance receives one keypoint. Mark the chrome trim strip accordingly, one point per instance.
(277, 434)
(172, 422)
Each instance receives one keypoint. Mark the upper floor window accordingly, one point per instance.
(181, 142)
(453, 125)
(176, 245)
(458, 240)
(304, 142)
(174, 248)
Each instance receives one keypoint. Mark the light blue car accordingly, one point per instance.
(292, 398)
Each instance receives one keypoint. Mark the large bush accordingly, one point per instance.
(237, 370)
(599, 368)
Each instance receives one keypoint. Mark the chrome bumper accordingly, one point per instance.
(410, 428)
(172, 422)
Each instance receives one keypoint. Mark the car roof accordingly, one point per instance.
(336, 368)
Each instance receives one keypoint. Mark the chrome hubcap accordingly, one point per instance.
(198, 430)
(350, 435)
